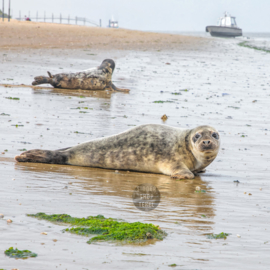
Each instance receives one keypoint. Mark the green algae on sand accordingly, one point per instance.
(162, 101)
(218, 236)
(19, 254)
(13, 98)
(106, 229)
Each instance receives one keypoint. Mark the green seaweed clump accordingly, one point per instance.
(218, 236)
(19, 254)
(107, 229)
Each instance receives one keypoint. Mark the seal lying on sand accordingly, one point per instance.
(177, 152)
(99, 78)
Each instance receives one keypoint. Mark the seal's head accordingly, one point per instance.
(205, 142)
(108, 65)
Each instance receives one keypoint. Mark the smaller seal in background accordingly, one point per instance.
(146, 197)
(98, 78)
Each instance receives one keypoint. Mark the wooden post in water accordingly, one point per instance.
(9, 11)
(3, 10)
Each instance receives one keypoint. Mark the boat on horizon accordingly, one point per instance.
(226, 27)
(113, 23)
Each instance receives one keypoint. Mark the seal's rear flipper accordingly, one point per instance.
(42, 156)
(50, 75)
(41, 80)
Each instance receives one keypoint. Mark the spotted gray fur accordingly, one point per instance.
(146, 148)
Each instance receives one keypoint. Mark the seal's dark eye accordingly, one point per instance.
(196, 137)
(215, 135)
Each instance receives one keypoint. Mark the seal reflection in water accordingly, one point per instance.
(99, 78)
(177, 152)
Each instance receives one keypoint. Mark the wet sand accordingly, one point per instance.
(228, 88)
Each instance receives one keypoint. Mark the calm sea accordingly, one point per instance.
(260, 40)
(256, 35)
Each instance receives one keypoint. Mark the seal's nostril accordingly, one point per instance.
(206, 142)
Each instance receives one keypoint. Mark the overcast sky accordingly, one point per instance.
(155, 15)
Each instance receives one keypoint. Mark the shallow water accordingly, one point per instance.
(228, 88)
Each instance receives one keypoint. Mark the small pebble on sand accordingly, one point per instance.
(44, 233)
(9, 221)
(1, 215)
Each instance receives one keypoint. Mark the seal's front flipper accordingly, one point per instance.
(184, 174)
(43, 156)
(200, 171)
(114, 88)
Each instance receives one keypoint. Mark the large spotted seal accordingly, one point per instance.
(99, 78)
(180, 153)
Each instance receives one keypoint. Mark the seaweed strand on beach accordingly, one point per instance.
(246, 45)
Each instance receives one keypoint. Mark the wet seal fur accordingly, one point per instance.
(180, 153)
(99, 78)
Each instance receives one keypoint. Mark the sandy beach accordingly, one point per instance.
(23, 34)
(198, 81)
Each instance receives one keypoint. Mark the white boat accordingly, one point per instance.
(226, 27)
